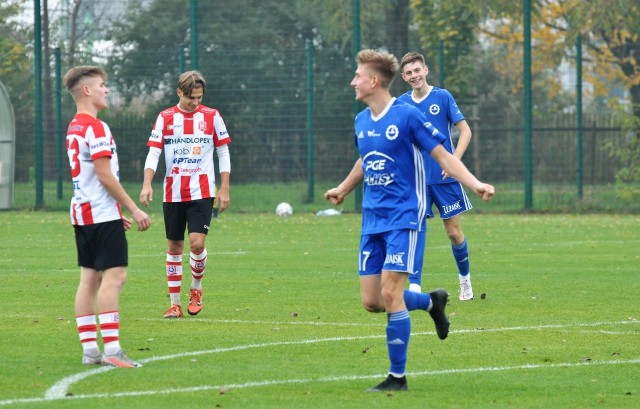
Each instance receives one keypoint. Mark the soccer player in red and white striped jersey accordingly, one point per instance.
(97, 219)
(188, 133)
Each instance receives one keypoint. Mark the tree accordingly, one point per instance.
(454, 23)
(258, 74)
(14, 62)
(16, 75)
(611, 35)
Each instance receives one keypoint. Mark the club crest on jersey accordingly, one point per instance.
(202, 126)
(434, 109)
(392, 132)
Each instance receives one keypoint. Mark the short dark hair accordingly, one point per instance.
(410, 57)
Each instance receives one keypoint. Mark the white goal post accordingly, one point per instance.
(7, 150)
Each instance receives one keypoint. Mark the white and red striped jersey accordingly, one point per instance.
(189, 140)
(89, 138)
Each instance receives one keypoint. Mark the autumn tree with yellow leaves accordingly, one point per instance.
(610, 34)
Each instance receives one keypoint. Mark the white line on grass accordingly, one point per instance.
(358, 324)
(309, 380)
(258, 322)
(60, 389)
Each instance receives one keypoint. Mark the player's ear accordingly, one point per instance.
(179, 92)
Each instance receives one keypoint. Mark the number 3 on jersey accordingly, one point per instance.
(73, 150)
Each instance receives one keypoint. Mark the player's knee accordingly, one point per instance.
(114, 278)
(196, 244)
(197, 248)
(373, 307)
(456, 237)
(388, 296)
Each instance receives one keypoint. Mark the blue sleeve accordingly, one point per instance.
(454, 113)
(426, 136)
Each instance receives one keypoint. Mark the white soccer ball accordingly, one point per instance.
(284, 210)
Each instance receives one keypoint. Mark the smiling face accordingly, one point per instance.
(363, 82)
(415, 74)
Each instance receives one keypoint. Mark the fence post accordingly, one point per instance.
(528, 168)
(441, 63)
(37, 34)
(181, 59)
(310, 150)
(58, 122)
(355, 44)
(194, 34)
(579, 113)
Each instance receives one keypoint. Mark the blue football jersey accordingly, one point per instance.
(391, 146)
(442, 111)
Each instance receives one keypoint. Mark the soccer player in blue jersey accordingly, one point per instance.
(391, 136)
(445, 192)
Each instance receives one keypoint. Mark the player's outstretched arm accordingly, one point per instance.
(337, 194)
(454, 167)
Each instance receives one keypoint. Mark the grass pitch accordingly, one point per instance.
(282, 324)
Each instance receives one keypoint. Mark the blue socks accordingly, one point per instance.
(416, 301)
(461, 255)
(398, 333)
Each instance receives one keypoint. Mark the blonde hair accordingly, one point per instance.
(188, 81)
(382, 63)
(73, 77)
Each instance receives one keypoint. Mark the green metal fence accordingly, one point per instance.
(289, 110)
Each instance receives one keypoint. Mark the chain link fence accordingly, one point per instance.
(289, 110)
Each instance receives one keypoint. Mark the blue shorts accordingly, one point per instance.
(449, 198)
(393, 250)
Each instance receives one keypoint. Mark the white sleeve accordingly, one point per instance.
(224, 159)
(221, 129)
(152, 158)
